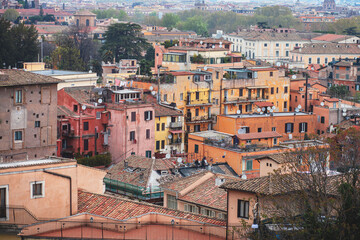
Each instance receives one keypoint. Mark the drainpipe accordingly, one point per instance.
(227, 214)
(67, 177)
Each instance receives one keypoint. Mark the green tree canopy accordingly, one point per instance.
(11, 15)
(169, 20)
(25, 42)
(6, 44)
(124, 41)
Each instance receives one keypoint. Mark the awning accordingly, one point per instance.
(176, 131)
(264, 104)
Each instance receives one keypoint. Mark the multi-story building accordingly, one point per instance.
(312, 22)
(323, 53)
(248, 89)
(28, 108)
(82, 123)
(345, 72)
(335, 38)
(267, 46)
(131, 124)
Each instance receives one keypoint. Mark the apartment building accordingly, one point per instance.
(82, 123)
(28, 108)
(248, 89)
(323, 53)
(267, 46)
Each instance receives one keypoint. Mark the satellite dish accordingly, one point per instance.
(322, 104)
(259, 110)
(268, 108)
(299, 107)
(344, 110)
(297, 110)
(153, 93)
(151, 88)
(170, 136)
(273, 107)
(263, 109)
(271, 110)
(278, 64)
(168, 156)
(100, 92)
(243, 177)
(205, 68)
(179, 160)
(344, 114)
(100, 100)
(238, 111)
(241, 131)
(83, 107)
(220, 43)
(213, 46)
(293, 77)
(201, 42)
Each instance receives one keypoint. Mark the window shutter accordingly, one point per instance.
(151, 115)
(145, 116)
(292, 127)
(300, 127)
(196, 210)
(203, 212)
(306, 127)
(186, 208)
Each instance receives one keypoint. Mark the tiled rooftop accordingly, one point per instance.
(13, 77)
(328, 48)
(122, 209)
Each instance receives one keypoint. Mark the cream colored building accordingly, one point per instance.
(266, 46)
(71, 78)
(34, 66)
(323, 53)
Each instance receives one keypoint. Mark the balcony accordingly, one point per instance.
(198, 103)
(68, 133)
(176, 125)
(197, 119)
(175, 141)
(233, 100)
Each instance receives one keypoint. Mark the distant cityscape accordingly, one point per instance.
(179, 119)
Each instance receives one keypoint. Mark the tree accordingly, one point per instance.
(169, 20)
(67, 58)
(26, 4)
(339, 91)
(350, 31)
(124, 41)
(11, 15)
(25, 42)
(170, 43)
(6, 44)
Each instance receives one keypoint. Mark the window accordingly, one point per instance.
(147, 133)
(165, 97)
(275, 141)
(162, 126)
(157, 145)
(241, 92)
(243, 209)
(18, 136)
(196, 150)
(222, 216)
(277, 53)
(272, 90)
(318, 60)
(148, 115)
(162, 144)
(248, 141)
(285, 104)
(86, 126)
(265, 44)
(37, 189)
(271, 74)
(277, 45)
(37, 124)
(197, 95)
(18, 96)
(259, 129)
(326, 60)
(171, 202)
(303, 127)
(86, 144)
(273, 129)
(132, 135)
(217, 75)
(197, 128)
(249, 165)
(133, 116)
(4, 202)
(347, 76)
(287, 53)
(285, 89)
(277, 90)
(181, 97)
(287, 45)
(248, 108)
(309, 60)
(196, 112)
(191, 208)
(207, 212)
(148, 154)
(158, 127)
(75, 108)
(322, 120)
(289, 127)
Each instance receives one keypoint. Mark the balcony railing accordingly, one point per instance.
(176, 124)
(198, 102)
(199, 118)
(175, 141)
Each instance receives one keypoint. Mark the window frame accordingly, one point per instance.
(22, 137)
(32, 196)
(16, 97)
(246, 207)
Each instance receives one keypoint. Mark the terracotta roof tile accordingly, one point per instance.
(13, 77)
(328, 48)
(122, 209)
